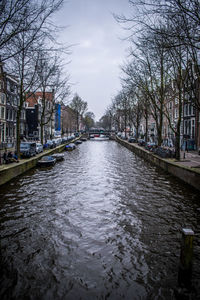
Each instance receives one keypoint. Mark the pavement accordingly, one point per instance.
(190, 159)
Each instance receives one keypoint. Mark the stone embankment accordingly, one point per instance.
(10, 171)
(184, 171)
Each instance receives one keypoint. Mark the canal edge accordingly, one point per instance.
(11, 171)
(184, 173)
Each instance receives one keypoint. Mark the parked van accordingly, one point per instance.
(27, 149)
(39, 148)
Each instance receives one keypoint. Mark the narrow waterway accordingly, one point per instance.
(102, 224)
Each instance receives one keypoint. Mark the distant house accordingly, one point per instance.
(68, 120)
(32, 119)
(43, 109)
(9, 102)
(190, 112)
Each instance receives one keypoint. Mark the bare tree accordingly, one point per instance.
(89, 120)
(50, 80)
(80, 107)
(27, 16)
(22, 48)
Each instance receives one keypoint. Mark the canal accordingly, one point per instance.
(102, 224)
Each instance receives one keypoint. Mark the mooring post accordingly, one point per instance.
(185, 266)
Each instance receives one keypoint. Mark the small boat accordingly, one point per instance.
(70, 147)
(83, 139)
(77, 142)
(58, 156)
(46, 161)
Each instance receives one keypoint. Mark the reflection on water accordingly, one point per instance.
(103, 224)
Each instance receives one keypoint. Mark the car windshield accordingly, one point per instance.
(24, 146)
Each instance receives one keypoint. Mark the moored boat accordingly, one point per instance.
(70, 147)
(78, 142)
(58, 156)
(46, 161)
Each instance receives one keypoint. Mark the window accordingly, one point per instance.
(3, 133)
(193, 128)
(8, 85)
(3, 98)
(186, 109)
(15, 100)
(189, 110)
(185, 127)
(11, 115)
(2, 113)
(176, 112)
(192, 110)
(189, 127)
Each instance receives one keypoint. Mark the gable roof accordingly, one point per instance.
(32, 99)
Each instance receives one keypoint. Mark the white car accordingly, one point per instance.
(57, 141)
(39, 148)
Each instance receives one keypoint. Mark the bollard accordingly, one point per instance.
(185, 266)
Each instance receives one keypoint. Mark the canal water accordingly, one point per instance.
(102, 224)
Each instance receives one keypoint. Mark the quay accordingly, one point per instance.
(10, 171)
(187, 170)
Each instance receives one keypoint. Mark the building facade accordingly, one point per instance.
(42, 106)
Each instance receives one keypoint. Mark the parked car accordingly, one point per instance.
(57, 141)
(150, 146)
(141, 142)
(131, 139)
(39, 148)
(64, 140)
(27, 149)
(51, 144)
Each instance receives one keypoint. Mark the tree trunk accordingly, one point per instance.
(18, 131)
(161, 101)
(178, 125)
(42, 133)
(146, 129)
(177, 146)
(77, 122)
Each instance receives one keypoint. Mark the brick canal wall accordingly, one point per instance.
(186, 174)
(8, 172)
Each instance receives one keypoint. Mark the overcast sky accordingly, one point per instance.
(94, 68)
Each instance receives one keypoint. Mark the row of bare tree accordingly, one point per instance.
(163, 63)
(30, 52)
